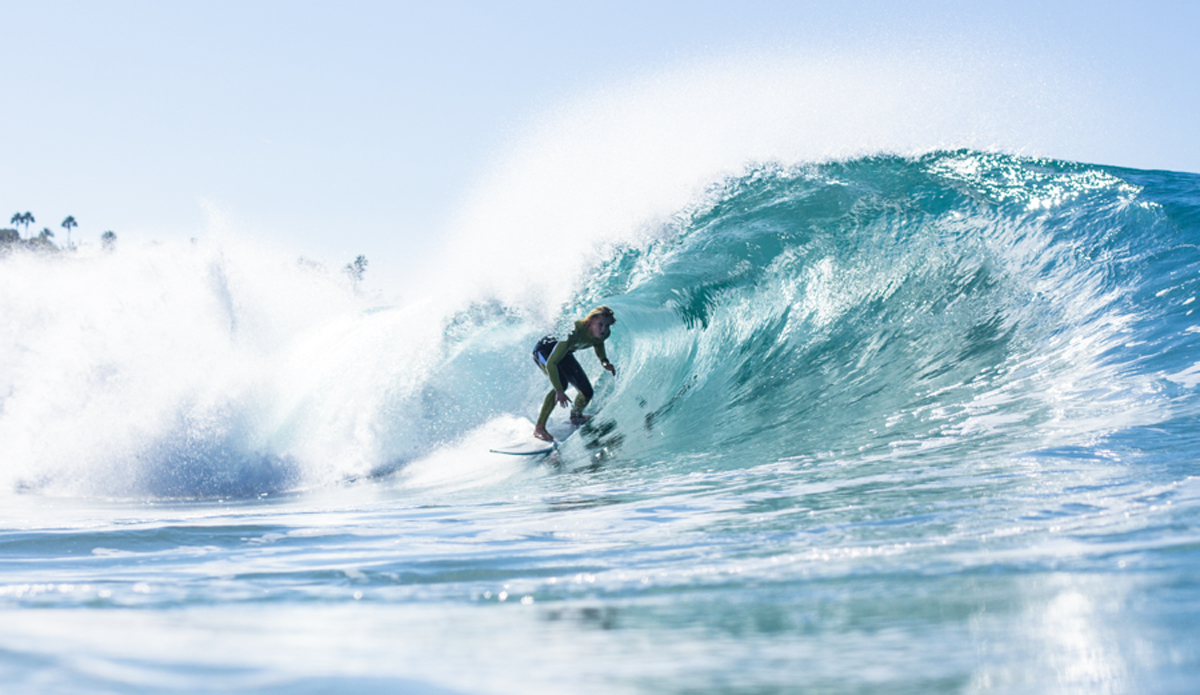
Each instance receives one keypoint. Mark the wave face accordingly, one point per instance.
(945, 306)
(953, 306)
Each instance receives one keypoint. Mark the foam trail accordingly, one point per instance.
(229, 369)
(141, 370)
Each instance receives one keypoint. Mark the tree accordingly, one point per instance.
(23, 218)
(67, 224)
(42, 241)
(108, 240)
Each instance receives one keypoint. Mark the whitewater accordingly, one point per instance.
(888, 417)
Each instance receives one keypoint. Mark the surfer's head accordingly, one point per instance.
(599, 320)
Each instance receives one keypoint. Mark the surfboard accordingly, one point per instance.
(532, 446)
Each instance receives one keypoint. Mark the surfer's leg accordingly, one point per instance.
(570, 372)
(577, 416)
(539, 429)
(540, 353)
(547, 408)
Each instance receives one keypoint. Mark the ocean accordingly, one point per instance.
(885, 424)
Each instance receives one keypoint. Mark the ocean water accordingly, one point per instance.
(922, 424)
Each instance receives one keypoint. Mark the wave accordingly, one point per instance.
(956, 304)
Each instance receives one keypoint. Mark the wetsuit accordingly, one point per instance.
(555, 359)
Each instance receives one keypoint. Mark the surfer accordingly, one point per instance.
(555, 359)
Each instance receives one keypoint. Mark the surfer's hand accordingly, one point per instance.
(611, 368)
(561, 397)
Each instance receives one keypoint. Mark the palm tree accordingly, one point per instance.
(108, 240)
(42, 241)
(23, 218)
(67, 224)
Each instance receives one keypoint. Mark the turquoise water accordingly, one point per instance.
(903, 425)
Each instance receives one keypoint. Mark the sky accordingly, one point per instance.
(334, 129)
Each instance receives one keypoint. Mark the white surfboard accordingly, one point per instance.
(532, 446)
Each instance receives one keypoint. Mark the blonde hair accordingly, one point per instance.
(600, 311)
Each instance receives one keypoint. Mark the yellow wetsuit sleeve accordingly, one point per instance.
(560, 351)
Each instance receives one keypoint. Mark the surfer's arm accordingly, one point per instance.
(604, 358)
(560, 351)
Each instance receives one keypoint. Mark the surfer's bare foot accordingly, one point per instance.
(542, 434)
(580, 419)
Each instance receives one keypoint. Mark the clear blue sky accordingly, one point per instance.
(339, 128)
